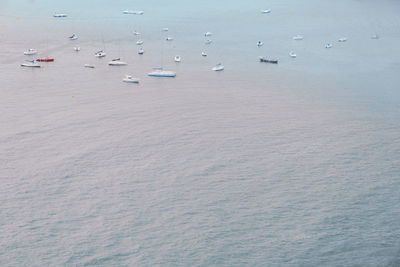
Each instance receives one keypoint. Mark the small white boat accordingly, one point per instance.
(133, 12)
(218, 67)
(77, 48)
(30, 51)
(100, 54)
(136, 33)
(140, 42)
(265, 11)
(140, 51)
(130, 79)
(30, 64)
(165, 29)
(60, 15)
(342, 40)
(90, 66)
(208, 34)
(73, 37)
(298, 37)
(208, 41)
(328, 46)
(117, 62)
(159, 72)
(260, 43)
(169, 39)
(177, 58)
(375, 36)
(204, 54)
(292, 54)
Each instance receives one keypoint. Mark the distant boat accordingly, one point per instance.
(159, 72)
(268, 60)
(165, 29)
(298, 37)
(60, 15)
(140, 42)
(77, 48)
(218, 67)
(292, 54)
(73, 37)
(30, 51)
(208, 41)
(133, 12)
(328, 46)
(260, 43)
(30, 64)
(117, 62)
(375, 36)
(169, 38)
(343, 39)
(90, 66)
(177, 58)
(100, 54)
(204, 54)
(136, 33)
(265, 11)
(130, 79)
(208, 34)
(140, 51)
(46, 59)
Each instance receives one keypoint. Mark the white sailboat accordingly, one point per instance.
(159, 72)
(90, 66)
(141, 51)
(60, 15)
(73, 37)
(30, 52)
(177, 58)
(342, 40)
(30, 64)
(265, 11)
(117, 62)
(328, 46)
(260, 43)
(218, 67)
(100, 54)
(139, 42)
(208, 34)
(133, 12)
(130, 79)
(298, 37)
(204, 54)
(292, 54)
(77, 48)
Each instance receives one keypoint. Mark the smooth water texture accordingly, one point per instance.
(295, 164)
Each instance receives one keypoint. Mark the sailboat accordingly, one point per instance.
(73, 37)
(117, 62)
(292, 54)
(130, 79)
(265, 11)
(141, 51)
(177, 58)
(30, 64)
(218, 67)
(159, 72)
(30, 52)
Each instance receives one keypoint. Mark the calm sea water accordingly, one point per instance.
(295, 164)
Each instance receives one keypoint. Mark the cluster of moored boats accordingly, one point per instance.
(159, 72)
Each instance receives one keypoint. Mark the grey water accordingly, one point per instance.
(294, 164)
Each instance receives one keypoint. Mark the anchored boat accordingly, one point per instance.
(30, 51)
(30, 64)
(130, 79)
(268, 60)
(159, 72)
(218, 67)
(117, 62)
(46, 59)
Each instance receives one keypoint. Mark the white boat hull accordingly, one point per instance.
(168, 74)
(29, 65)
(117, 63)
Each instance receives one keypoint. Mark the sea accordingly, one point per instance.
(288, 164)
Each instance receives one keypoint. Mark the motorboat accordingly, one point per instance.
(328, 46)
(292, 54)
(130, 79)
(159, 72)
(100, 54)
(77, 48)
(133, 12)
(375, 36)
(260, 43)
(117, 62)
(218, 67)
(30, 51)
(46, 59)
(208, 41)
(140, 51)
(60, 15)
(265, 11)
(342, 40)
(204, 54)
(73, 37)
(140, 42)
(30, 64)
(165, 29)
(298, 37)
(90, 66)
(268, 60)
(177, 58)
(169, 39)
(208, 34)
